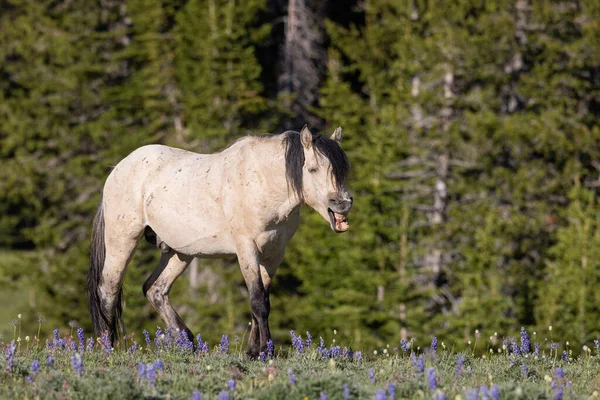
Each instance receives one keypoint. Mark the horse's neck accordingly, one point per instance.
(277, 193)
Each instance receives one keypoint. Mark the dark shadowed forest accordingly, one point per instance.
(472, 129)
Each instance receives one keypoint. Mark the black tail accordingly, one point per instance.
(102, 319)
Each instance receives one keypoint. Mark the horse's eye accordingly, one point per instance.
(312, 170)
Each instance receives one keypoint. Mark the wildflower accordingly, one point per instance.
(512, 360)
(419, 364)
(141, 371)
(484, 392)
(334, 351)
(473, 394)
(380, 394)
(270, 349)
(77, 363)
(322, 396)
(434, 343)
(536, 347)
(392, 390)
(147, 339)
(262, 356)
(565, 356)
(524, 370)
(224, 345)
(196, 395)
(495, 392)
(35, 367)
(297, 342)
(308, 342)
(150, 374)
(158, 365)
(202, 345)
(223, 395)
(347, 392)
(525, 342)
(291, 377)
(359, 356)
(459, 366)
(90, 344)
(597, 344)
(322, 349)
(515, 347)
(372, 375)
(10, 355)
(133, 348)
(41, 319)
(50, 361)
(431, 378)
(559, 373)
(404, 345)
(231, 384)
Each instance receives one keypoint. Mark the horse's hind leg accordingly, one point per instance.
(157, 287)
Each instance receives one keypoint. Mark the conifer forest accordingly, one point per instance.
(472, 128)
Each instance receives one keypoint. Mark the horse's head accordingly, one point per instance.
(324, 176)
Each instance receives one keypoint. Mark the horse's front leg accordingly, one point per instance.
(258, 282)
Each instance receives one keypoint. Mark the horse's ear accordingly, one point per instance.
(306, 137)
(337, 135)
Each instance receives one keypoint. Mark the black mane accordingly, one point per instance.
(294, 159)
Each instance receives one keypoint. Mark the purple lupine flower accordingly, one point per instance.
(559, 391)
(202, 345)
(553, 346)
(308, 342)
(157, 337)
(484, 392)
(525, 342)
(460, 364)
(10, 355)
(231, 384)
(597, 344)
(224, 395)
(495, 392)
(559, 373)
(512, 360)
(359, 356)
(334, 351)
(346, 394)
(147, 339)
(419, 364)
(169, 339)
(77, 363)
(565, 356)
(524, 370)
(133, 348)
(404, 345)
(224, 345)
(473, 394)
(81, 338)
(262, 356)
(536, 349)
(372, 375)
(515, 347)
(35, 367)
(380, 394)
(55, 338)
(90, 344)
(392, 390)
(158, 365)
(291, 377)
(141, 371)
(322, 396)
(322, 349)
(439, 395)
(150, 374)
(297, 342)
(431, 382)
(196, 395)
(29, 379)
(205, 347)
(270, 348)
(183, 341)
(105, 341)
(50, 361)
(434, 343)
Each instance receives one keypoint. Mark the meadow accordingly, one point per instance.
(166, 365)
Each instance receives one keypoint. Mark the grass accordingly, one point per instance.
(167, 369)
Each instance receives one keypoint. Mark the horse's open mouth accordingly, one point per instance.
(339, 222)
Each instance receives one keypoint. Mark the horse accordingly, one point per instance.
(243, 200)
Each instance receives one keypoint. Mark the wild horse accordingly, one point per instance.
(244, 200)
